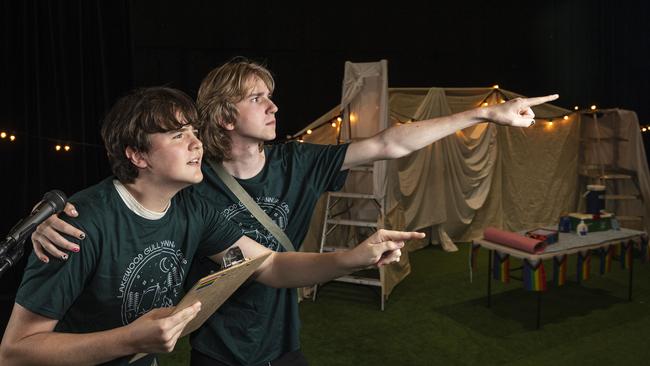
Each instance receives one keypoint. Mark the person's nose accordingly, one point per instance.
(195, 144)
(272, 107)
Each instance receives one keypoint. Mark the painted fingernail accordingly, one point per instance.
(74, 212)
(45, 260)
(75, 249)
(64, 257)
(82, 236)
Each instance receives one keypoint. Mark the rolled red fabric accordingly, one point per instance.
(514, 240)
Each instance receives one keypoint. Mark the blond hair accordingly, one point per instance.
(220, 90)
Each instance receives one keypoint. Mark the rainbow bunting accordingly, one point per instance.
(534, 276)
(626, 254)
(606, 255)
(583, 266)
(501, 267)
(559, 270)
(645, 250)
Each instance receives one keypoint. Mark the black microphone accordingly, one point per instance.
(53, 202)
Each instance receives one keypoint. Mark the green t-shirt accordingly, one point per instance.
(259, 323)
(127, 265)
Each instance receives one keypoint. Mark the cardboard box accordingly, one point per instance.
(594, 223)
(546, 235)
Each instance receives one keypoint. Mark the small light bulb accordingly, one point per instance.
(550, 123)
(339, 119)
(495, 86)
(309, 132)
(575, 108)
(66, 148)
(333, 124)
(644, 129)
(57, 147)
(12, 138)
(593, 107)
(485, 104)
(565, 118)
(3, 134)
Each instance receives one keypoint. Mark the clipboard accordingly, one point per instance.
(212, 291)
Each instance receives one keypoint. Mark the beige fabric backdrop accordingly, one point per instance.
(487, 175)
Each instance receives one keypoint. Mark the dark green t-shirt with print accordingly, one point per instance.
(259, 323)
(127, 266)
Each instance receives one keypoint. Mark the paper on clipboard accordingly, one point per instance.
(212, 291)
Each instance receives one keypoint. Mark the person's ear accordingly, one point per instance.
(136, 157)
(228, 126)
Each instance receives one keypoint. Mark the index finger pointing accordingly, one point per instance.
(541, 100)
(402, 235)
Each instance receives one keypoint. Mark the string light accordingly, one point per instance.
(593, 107)
(335, 123)
(55, 142)
(4, 135)
(644, 129)
(495, 86)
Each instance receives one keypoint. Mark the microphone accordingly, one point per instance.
(53, 202)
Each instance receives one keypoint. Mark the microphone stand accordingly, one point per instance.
(13, 256)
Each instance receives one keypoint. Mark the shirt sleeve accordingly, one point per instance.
(219, 233)
(50, 289)
(323, 162)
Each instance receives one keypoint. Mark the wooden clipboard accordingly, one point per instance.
(212, 291)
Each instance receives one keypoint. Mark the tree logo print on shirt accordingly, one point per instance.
(153, 279)
(277, 211)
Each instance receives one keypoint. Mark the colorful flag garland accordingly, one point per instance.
(625, 256)
(559, 270)
(606, 254)
(645, 250)
(534, 275)
(583, 266)
(501, 267)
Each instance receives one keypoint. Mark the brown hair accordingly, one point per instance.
(137, 115)
(220, 90)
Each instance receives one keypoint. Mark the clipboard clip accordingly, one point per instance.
(233, 256)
